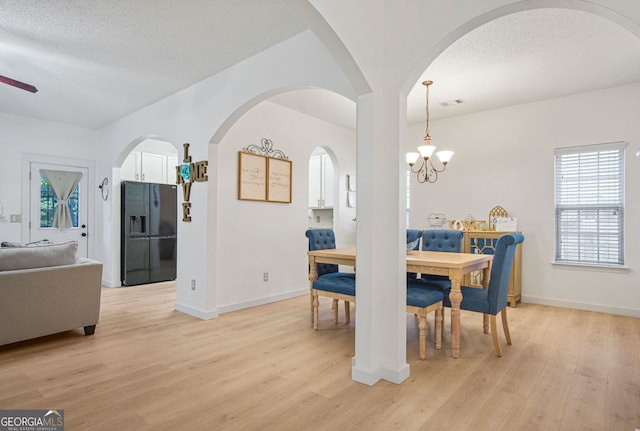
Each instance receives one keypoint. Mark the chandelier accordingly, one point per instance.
(428, 171)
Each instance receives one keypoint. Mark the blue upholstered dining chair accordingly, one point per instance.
(413, 235)
(493, 300)
(334, 284)
(421, 302)
(441, 240)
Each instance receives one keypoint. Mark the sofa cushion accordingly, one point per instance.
(28, 244)
(38, 257)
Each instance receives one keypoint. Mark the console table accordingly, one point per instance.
(484, 242)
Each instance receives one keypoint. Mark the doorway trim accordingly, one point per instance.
(27, 160)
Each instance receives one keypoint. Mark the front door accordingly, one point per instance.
(43, 201)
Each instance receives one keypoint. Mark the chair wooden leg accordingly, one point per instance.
(315, 310)
(335, 311)
(334, 304)
(422, 331)
(438, 325)
(311, 304)
(347, 311)
(505, 325)
(485, 323)
(494, 334)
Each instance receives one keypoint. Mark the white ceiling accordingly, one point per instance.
(94, 62)
(519, 58)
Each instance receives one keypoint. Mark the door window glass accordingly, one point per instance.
(48, 203)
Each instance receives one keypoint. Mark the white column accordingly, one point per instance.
(381, 257)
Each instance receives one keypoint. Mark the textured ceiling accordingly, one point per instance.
(529, 56)
(96, 61)
(519, 58)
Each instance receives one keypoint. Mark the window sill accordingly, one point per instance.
(591, 267)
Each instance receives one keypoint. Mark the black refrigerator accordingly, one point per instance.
(149, 233)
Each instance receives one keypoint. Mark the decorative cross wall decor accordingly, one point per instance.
(186, 174)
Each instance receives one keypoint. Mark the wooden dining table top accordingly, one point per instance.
(421, 258)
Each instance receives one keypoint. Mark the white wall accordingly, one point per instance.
(198, 115)
(505, 157)
(21, 136)
(258, 237)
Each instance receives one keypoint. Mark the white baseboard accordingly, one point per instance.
(396, 376)
(262, 301)
(200, 314)
(109, 283)
(581, 306)
(369, 377)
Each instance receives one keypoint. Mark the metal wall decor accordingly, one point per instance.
(436, 220)
(104, 190)
(186, 174)
(266, 149)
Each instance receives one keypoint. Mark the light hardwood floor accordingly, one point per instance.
(151, 368)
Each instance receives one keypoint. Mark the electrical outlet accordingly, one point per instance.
(317, 219)
(15, 218)
(193, 285)
(265, 276)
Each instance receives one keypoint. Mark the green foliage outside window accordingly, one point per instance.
(48, 202)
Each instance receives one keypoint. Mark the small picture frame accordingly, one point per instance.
(351, 183)
(279, 180)
(252, 177)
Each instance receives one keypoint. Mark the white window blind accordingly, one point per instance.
(589, 204)
(408, 213)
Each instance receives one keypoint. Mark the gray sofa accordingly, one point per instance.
(45, 290)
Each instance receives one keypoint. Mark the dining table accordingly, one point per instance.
(452, 265)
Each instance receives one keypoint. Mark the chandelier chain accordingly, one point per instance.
(427, 136)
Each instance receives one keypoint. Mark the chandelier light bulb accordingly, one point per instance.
(445, 156)
(426, 150)
(412, 158)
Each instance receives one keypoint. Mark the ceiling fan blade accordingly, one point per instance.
(18, 84)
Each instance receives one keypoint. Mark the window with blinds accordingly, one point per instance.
(589, 204)
(408, 212)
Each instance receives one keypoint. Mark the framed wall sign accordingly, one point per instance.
(252, 177)
(279, 184)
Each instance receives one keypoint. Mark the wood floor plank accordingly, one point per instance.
(149, 367)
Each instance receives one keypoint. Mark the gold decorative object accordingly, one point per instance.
(469, 223)
(456, 224)
(496, 211)
(186, 174)
(428, 171)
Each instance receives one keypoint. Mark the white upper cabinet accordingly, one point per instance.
(154, 168)
(320, 181)
(315, 184)
(172, 162)
(149, 168)
(327, 181)
(130, 169)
